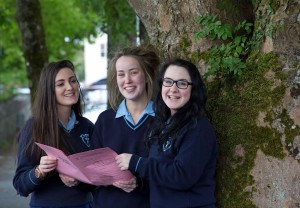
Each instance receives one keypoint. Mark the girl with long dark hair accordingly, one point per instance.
(57, 121)
(181, 164)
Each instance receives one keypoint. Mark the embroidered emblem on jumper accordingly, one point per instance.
(167, 144)
(86, 139)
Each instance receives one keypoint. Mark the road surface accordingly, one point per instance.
(8, 195)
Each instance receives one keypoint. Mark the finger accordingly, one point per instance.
(118, 161)
(116, 185)
(48, 159)
(118, 157)
(131, 181)
(52, 158)
(48, 163)
(126, 183)
(128, 190)
(123, 168)
(47, 168)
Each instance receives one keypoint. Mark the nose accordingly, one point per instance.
(69, 86)
(174, 87)
(127, 78)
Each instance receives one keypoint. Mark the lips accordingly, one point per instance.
(172, 97)
(69, 94)
(129, 89)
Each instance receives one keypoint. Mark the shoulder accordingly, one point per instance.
(198, 132)
(106, 115)
(84, 124)
(26, 131)
(204, 123)
(205, 128)
(202, 120)
(27, 126)
(201, 124)
(83, 120)
(108, 112)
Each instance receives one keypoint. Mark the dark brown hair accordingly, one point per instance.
(45, 127)
(194, 108)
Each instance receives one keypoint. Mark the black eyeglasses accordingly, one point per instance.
(181, 84)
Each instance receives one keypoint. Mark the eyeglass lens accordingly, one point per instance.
(182, 84)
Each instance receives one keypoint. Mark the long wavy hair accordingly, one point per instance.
(194, 108)
(147, 57)
(45, 126)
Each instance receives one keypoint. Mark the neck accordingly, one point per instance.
(136, 108)
(64, 114)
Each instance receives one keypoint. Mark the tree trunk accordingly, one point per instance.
(143, 35)
(28, 16)
(256, 115)
(171, 24)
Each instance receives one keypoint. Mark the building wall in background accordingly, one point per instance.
(95, 59)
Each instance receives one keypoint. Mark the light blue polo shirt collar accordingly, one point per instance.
(122, 111)
(71, 123)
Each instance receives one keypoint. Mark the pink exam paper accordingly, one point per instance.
(97, 167)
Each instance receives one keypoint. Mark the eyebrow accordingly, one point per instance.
(121, 70)
(64, 80)
(176, 79)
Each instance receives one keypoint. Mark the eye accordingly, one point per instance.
(182, 84)
(134, 72)
(168, 81)
(120, 74)
(74, 81)
(59, 84)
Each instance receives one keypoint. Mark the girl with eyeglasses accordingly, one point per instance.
(181, 164)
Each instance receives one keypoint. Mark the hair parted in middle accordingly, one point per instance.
(45, 128)
(147, 57)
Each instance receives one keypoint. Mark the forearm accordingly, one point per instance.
(26, 182)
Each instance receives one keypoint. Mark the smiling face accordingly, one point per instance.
(174, 97)
(66, 88)
(131, 79)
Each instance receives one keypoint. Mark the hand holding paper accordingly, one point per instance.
(68, 181)
(123, 160)
(47, 164)
(127, 186)
(97, 167)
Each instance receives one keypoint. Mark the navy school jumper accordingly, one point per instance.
(123, 137)
(181, 173)
(51, 191)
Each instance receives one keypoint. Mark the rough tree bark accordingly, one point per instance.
(171, 23)
(257, 116)
(29, 18)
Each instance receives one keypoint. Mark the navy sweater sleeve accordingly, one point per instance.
(24, 180)
(51, 191)
(184, 164)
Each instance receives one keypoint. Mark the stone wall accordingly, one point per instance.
(14, 113)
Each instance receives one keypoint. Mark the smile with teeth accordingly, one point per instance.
(172, 97)
(129, 88)
(69, 94)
